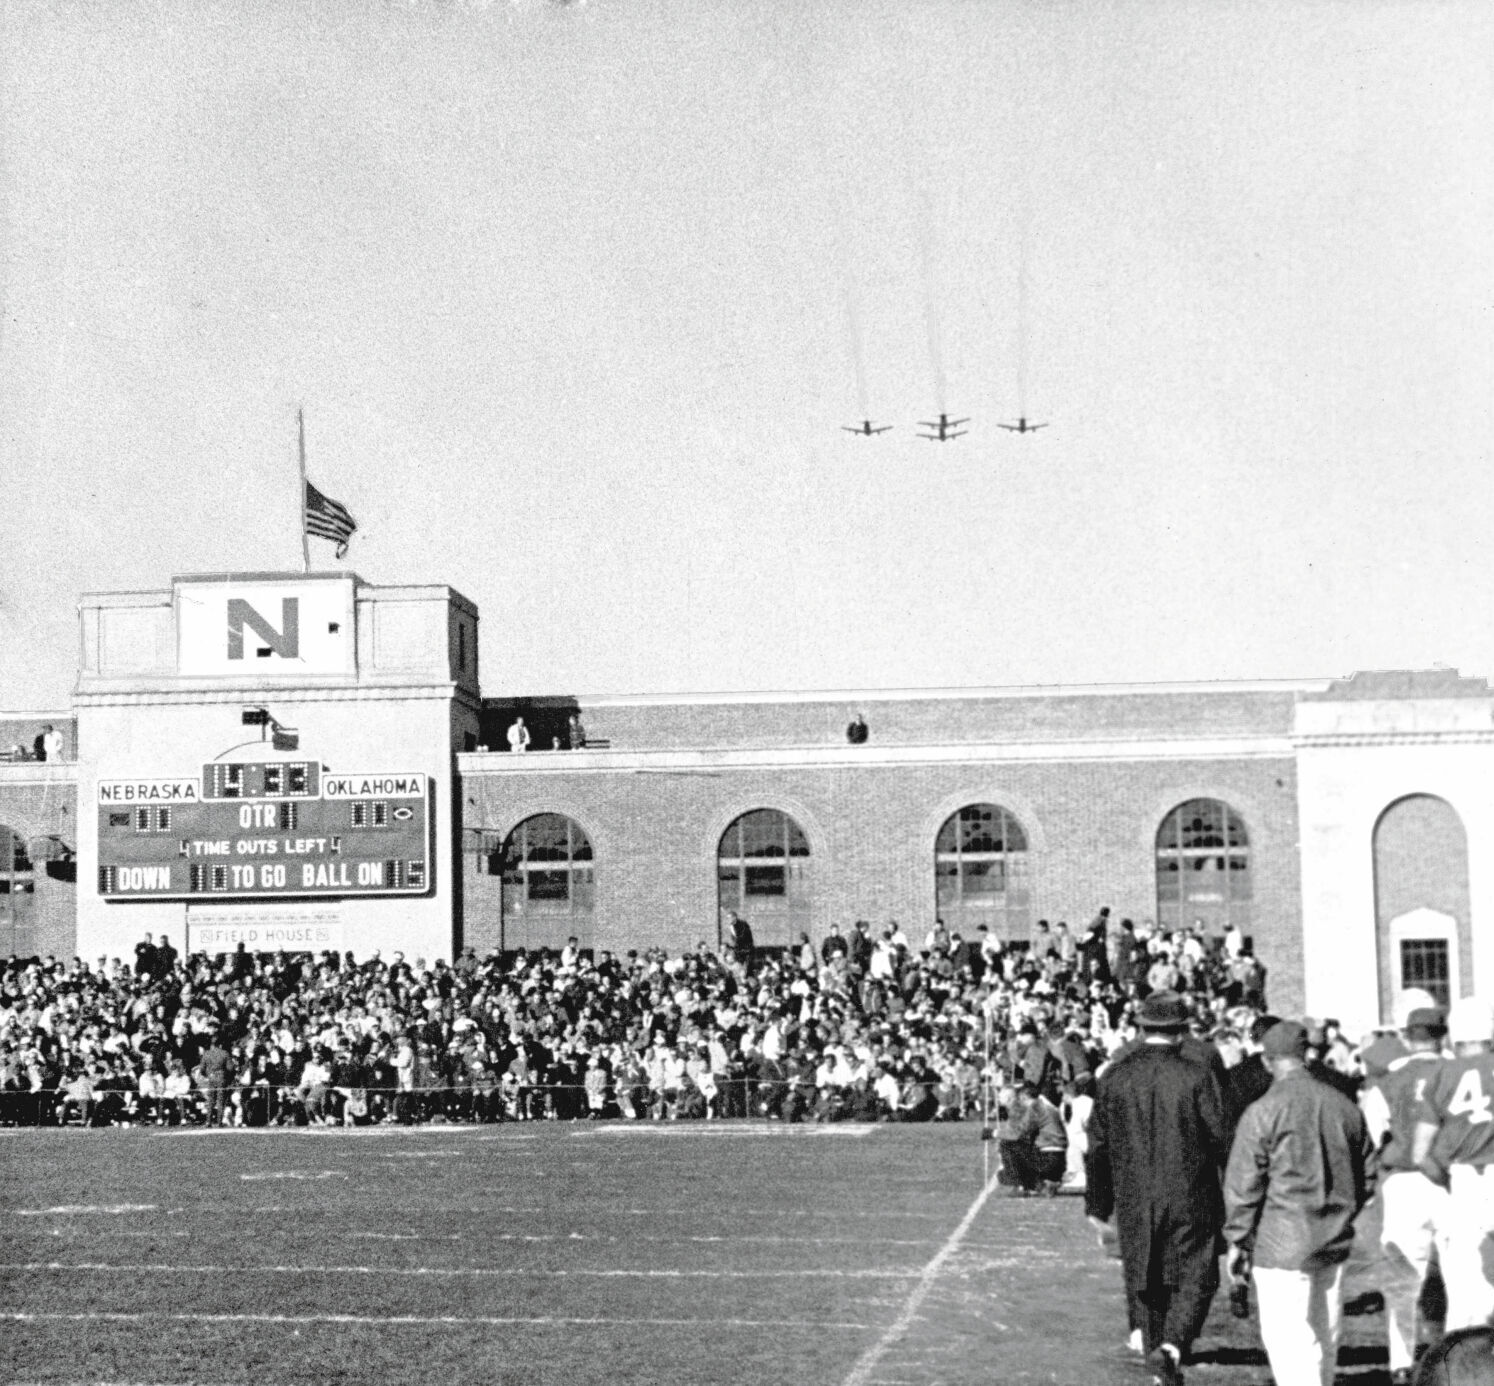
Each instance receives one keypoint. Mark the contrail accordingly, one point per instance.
(854, 341)
(930, 304)
(1023, 287)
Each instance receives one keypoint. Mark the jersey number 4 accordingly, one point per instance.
(1470, 1100)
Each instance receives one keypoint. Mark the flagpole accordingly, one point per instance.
(305, 542)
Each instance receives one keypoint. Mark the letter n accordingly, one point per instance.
(286, 642)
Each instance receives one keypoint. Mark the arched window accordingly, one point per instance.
(980, 872)
(549, 883)
(761, 874)
(1423, 923)
(17, 893)
(1203, 868)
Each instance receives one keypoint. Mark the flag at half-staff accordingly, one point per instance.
(328, 519)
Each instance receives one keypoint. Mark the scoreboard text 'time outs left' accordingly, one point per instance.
(272, 829)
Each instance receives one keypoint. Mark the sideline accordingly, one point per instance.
(861, 1373)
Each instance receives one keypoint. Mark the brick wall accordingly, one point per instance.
(1091, 827)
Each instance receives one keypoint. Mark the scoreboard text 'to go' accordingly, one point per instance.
(268, 830)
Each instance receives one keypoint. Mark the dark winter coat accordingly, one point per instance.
(1158, 1143)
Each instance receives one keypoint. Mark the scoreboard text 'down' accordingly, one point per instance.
(266, 830)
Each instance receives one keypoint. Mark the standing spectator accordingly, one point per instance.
(518, 735)
(1157, 1137)
(741, 942)
(1301, 1168)
(1413, 1208)
(1454, 1147)
(576, 733)
(1094, 954)
(166, 957)
(214, 1073)
(404, 1077)
(145, 958)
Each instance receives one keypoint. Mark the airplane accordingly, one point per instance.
(1021, 426)
(866, 430)
(943, 435)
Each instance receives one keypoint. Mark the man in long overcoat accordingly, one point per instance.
(1158, 1143)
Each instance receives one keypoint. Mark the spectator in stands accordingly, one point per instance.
(575, 733)
(857, 731)
(518, 735)
(77, 1095)
(790, 1040)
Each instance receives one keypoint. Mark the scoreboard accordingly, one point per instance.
(275, 829)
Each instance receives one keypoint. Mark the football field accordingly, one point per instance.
(678, 1254)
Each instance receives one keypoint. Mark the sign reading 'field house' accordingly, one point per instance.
(274, 829)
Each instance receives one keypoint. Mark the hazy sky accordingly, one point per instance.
(577, 297)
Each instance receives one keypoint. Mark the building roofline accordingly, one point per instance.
(883, 695)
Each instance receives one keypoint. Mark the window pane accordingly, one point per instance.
(982, 877)
(1203, 825)
(980, 830)
(549, 885)
(1425, 962)
(762, 833)
(765, 880)
(546, 837)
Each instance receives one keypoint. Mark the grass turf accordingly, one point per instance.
(577, 1254)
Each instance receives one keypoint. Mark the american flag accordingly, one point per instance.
(328, 519)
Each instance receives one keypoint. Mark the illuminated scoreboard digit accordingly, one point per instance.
(276, 829)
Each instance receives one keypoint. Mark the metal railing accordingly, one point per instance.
(268, 1105)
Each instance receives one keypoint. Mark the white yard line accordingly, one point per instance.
(417, 1320)
(861, 1373)
(456, 1272)
(71, 1210)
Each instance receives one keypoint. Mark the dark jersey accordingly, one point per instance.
(1402, 1090)
(1458, 1098)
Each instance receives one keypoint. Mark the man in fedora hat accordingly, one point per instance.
(1157, 1148)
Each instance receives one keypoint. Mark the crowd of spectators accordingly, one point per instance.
(866, 1024)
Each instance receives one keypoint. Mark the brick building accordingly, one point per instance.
(1332, 822)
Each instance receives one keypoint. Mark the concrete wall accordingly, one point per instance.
(1362, 745)
(160, 695)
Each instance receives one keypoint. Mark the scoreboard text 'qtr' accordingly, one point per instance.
(272, 829)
